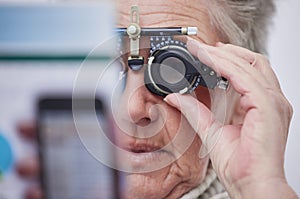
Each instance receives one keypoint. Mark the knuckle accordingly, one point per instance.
(261, 56)
(227, 45)
(290, 109)
(264, 59)
(285, 106)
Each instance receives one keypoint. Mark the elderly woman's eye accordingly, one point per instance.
(121, 71)
(121, 68)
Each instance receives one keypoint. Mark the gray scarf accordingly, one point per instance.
(210, 188)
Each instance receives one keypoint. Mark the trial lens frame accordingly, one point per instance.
(134, 32)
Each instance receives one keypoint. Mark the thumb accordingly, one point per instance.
(199, 117)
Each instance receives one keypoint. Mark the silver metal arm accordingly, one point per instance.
(134, 31)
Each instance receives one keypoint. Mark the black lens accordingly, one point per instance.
(172, 70)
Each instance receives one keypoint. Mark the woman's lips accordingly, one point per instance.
(146, 157)
(144, 148)
(149, 160)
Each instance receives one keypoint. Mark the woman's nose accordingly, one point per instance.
(137, 108)
(137, 100)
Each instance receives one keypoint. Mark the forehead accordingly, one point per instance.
(169, 13)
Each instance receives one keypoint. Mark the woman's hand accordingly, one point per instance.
(248, 156)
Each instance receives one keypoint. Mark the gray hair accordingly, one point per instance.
(242, 22)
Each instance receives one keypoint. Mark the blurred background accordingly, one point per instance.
(43, 44)
(284, 54)
(36, 59)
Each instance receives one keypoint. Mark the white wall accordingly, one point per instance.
(284, 51)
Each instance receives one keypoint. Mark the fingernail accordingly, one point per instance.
(171, 99)
(168, 98)
(165, 99)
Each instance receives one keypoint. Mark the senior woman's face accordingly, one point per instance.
(143, 112)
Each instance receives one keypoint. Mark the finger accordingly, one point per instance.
(205, 52)
(242, 82)
(34, 193)
(28, 129)
(238, 58)
(253, 91)
(244, 53)
(237, 61)
(196, 50)
(198, 115)
(258, 61)
(212, 133)
(254, 94)
(265, 73)
(264, 66)
(28, 168)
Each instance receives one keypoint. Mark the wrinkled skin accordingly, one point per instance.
(248, 156)
(141, 109)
